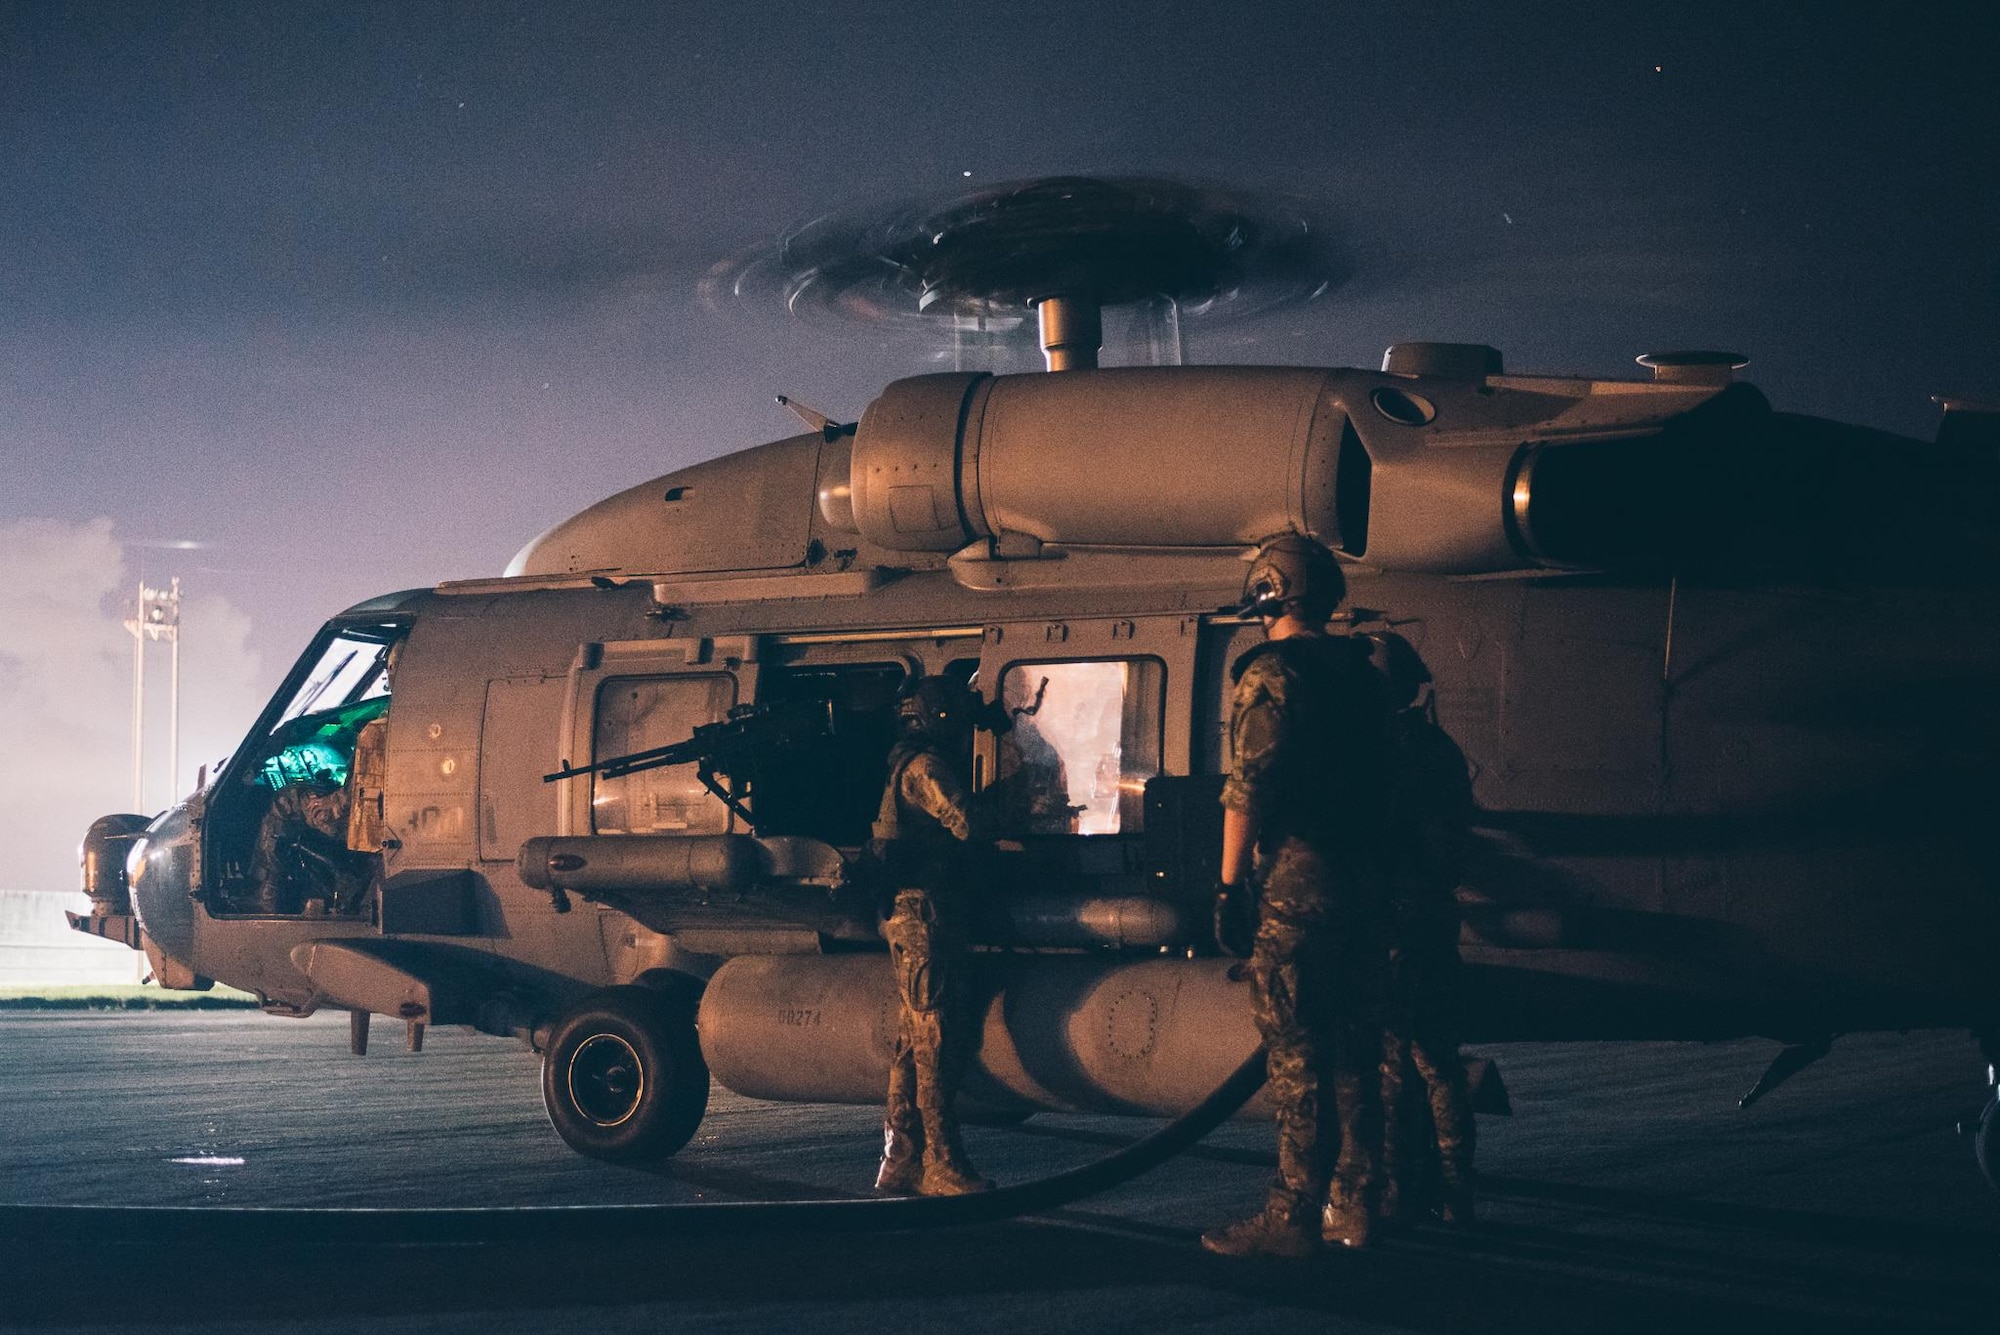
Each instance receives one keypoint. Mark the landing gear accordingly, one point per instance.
(1986, 1135)
(623, 1077)
(1986, 1143)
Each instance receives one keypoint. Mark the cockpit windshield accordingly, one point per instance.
(322, 749)
(350, 669)
(346, 686)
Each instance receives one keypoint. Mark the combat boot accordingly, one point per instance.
(947, 1174)
(1398, 1208)
(1456, 1207)
(902, 1171)
(1279, 1229)
(1345, 1223)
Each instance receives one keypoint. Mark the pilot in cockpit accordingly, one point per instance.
(302, 854)
(318, 842)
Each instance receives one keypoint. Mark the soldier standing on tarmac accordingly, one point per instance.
(1305, 807)
(1433, 813)
(926, 823)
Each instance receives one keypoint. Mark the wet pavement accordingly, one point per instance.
(1627, 1192)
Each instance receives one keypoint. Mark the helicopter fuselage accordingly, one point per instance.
(1731, 746)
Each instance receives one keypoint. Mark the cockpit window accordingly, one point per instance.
(321, 748)
(296, 831)
(346, 687)
(349, 669)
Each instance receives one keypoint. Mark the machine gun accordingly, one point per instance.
(737, 747)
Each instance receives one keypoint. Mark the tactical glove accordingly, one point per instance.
(1235, 919)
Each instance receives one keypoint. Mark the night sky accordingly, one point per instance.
(360, 297)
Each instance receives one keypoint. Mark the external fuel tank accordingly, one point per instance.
(1060, 1033)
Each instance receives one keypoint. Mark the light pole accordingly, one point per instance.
(158, 617)
(137, 625)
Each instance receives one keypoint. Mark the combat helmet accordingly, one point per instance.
(1293, 573)
(933, 707)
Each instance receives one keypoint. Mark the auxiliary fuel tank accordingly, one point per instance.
(1062, 1033)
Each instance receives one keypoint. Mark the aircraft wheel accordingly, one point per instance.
(623, 1077)
(1986, 1144)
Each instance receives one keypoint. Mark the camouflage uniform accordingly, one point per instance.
(1033, 797)
(1310, 749)
(301, 848)
(1433, 810)
(927, 819)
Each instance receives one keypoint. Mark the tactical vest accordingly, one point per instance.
(915, 850)
(1433, 796)
(1334, 790)
(1432, 820)
(894, 823)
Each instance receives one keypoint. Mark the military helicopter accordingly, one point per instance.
(1725, 675)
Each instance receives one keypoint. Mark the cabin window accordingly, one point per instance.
(1086, 737)
(638, 714)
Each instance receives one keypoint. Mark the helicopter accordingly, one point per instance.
(1724, 674)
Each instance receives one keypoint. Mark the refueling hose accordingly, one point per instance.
(252, 1226)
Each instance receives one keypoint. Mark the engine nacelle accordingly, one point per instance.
(1424, 474)
(1437, 465)
(1176, 456)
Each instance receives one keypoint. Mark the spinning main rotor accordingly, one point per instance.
(1063, 248)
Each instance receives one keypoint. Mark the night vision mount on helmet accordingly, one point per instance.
(935, 707)
(1294, 574)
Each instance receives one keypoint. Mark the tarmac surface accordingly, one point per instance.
(1627, 1192)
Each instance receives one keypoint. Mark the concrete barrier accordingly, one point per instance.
(38, 949)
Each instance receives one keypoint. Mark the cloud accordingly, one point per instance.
(66, 692)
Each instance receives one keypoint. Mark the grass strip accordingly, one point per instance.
(128, 997)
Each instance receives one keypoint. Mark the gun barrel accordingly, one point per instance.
(618, 766)
(726, 746)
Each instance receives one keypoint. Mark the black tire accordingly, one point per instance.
(623, 1077)
(1986, 1144)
